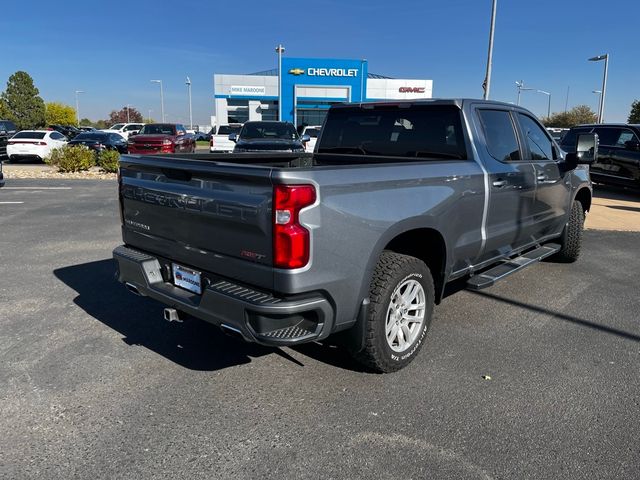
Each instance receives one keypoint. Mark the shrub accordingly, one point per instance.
(71, 159)
(108, 161)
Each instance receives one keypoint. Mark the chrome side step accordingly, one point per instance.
(507, 267)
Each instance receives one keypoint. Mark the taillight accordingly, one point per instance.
(11, 143)
(211, 142)
(41, 143)
(291, 242)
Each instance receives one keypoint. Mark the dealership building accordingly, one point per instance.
(309, 87)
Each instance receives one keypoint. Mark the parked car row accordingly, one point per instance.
(133, 138)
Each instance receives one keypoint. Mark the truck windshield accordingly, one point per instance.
(283, 131)
(422, 131)
(158, 129)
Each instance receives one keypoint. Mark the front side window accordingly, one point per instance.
(433, 131)
(500, 135)
(117, 126)
(624, 137)
(608, 135)
(539, 143)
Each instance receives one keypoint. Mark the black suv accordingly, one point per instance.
(68, 131)
(7, 130)
(618, 155)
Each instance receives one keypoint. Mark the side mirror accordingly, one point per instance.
(233, 137)
(305, 138)
(632, 145)
(586, 151)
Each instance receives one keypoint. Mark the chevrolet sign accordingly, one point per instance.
(326, 72)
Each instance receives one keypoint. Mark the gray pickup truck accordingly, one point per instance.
(359, 239)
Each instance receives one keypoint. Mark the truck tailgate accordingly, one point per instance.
(217, 217)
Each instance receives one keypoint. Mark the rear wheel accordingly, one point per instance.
(571, 239)
(402, 299)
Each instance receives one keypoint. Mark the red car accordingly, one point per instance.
(162, 138)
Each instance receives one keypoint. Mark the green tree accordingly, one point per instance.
(59, 113)
(22, 99)
(576, 116)
(85, 122)
(125, 115)
(634, 115)
(4, 110)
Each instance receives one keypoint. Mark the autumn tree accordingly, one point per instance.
(576, 116)
(22, 101)
(125, 115)
(59, 113)
(634, 115)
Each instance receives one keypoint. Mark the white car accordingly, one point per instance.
(125, 129)
(313, 131)
(34, 144)
(219, 141)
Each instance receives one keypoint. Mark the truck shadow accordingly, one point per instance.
(193, 344)
(612, 192)
(560, 316)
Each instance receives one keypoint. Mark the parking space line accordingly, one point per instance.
(8, 203)
(36, 188)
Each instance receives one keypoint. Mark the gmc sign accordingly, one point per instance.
(411, 89)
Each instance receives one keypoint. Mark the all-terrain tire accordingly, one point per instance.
(571, 238)
(392, 271)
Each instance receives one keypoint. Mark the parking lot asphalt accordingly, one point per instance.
(536, 377)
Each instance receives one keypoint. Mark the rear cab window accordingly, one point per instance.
(32, 135)
(500, 135)
(417, 131)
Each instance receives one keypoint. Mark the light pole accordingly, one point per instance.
(604, 57)
(149, 117)
(161, 98)
(549, 102)
(188, 83)
(487, 79)
(280, 51)
(521, 88)
(599, 92)
(128, 117)
(78, 106)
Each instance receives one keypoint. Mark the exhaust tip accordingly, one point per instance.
(133, 289)
(232, 332)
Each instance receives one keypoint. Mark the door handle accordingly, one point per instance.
(541, 177)
(499, 183)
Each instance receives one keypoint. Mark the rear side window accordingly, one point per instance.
(539, 143)
(502, 142)
(431, 131)
(56, 136)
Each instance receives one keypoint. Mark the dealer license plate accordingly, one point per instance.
(187, 278)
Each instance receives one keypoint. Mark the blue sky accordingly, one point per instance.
(111, 50)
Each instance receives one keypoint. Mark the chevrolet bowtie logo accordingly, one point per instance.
(296, 71)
